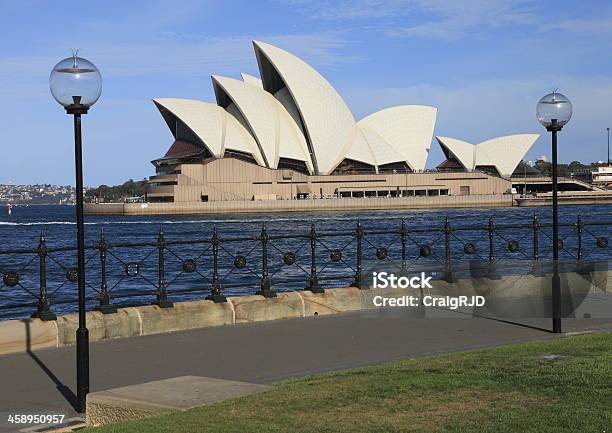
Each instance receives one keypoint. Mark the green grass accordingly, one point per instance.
(505, 389)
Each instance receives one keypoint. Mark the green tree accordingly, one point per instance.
(116, 193)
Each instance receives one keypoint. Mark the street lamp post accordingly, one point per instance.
(76, 84)
(553, 112)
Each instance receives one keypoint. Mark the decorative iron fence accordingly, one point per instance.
(164, 270)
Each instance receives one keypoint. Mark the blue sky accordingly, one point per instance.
(483, 63)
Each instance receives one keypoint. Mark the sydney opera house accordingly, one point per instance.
(290, 135)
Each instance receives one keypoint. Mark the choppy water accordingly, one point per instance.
(23, 229)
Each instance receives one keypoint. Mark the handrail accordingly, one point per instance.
(121, 273)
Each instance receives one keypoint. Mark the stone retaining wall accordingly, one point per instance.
(247, 206)
(33, 334)
(505, 294)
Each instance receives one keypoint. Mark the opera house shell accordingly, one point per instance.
(499, 155)
(289, 134)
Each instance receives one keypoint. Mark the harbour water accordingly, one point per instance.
(22, 230)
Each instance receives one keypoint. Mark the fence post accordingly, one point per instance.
(215, 290)
(265, 289)
(403, 233)
(579, 226)
(43, 312)
(448, 272)
(492, 271)
(313, 279)
(162, 295)
(537, 265)
(358, 280)
(104, 305)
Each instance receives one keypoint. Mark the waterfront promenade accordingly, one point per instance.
(311, 205)
(43, 381)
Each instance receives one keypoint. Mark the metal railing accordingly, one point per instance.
(164, 269)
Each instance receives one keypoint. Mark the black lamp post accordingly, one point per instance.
(76, 84)
(554, 111)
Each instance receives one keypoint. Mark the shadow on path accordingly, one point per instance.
(63, 389)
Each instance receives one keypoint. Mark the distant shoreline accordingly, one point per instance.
(35, 204)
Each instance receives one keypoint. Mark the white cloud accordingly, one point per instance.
(453, 19)
(440, 19)
(599, 24)
(352, 9)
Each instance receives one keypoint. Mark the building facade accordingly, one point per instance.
(290, 135)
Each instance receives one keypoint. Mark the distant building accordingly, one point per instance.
(290, 135)
(600, 176)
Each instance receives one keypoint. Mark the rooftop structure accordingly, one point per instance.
(290, 135)
(499, 156)
(294, 118)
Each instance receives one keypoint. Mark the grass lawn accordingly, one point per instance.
(505, 389)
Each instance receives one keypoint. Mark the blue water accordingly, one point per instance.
(24, 227)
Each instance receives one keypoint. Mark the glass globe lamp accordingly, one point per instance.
(554, 111)
(75, 81)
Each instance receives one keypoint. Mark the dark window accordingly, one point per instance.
(181, 151)
(489, 169)
(162, 199)
(165, 170)
(242, 156)
(350, 166)
(395, 167)
(204, 197)
(293, 164)
(451, 164)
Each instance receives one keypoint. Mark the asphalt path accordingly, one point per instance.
(43, 382)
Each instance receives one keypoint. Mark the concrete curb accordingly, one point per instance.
(162, 396)
(33, 334)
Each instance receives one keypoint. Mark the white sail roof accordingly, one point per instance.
(503, 153)
(247, 78)
(368, 147)
(506, 152)
(408, 129)
(462, 151)
(295, 113)
(216, 128)
(328, 122)
(360, 149)
(274, 129)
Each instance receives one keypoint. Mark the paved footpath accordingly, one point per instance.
(41, 382)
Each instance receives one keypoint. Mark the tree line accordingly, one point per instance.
(567, 170)
(116, 193)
